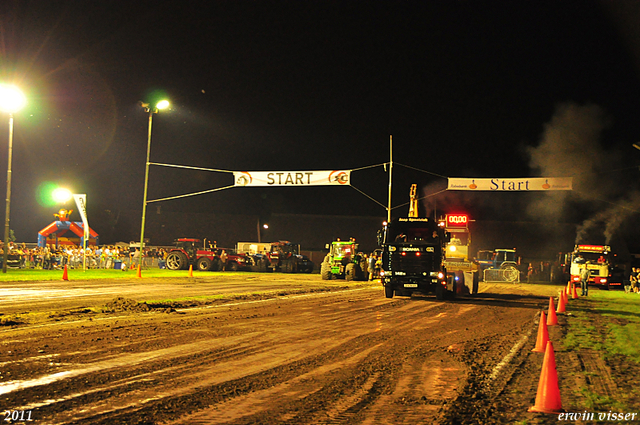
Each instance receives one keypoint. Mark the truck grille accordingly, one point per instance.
(412, 266)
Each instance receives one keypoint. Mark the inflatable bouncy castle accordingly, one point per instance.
(65, 232)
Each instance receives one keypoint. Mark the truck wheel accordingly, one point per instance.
(350, 272)
(388, 292)
(325, 271)
(176, 261)
(452, 294)
(203, 264)
(440, 292)
(232, 266)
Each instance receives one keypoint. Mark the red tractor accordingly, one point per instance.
(194, 252)
(286, 257)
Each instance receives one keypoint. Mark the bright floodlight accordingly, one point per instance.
(163, 104)
(61, 195)
(11, 98)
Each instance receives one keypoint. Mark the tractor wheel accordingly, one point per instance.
(511, 274)
(440, 291)
(350, 272)
(232, 266)
(325, 271)
(287, 267)
(177, 261)
(262, 265)
(388, 292)
(203, 264)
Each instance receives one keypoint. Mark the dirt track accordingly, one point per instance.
(272, 349)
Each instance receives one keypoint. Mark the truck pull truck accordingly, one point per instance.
(595, 258)
(413, 258)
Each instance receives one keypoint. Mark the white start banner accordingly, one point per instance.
(512, 185)
(292, 178)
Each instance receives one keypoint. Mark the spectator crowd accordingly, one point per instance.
(53, 257)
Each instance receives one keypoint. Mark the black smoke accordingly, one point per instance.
(571, 146)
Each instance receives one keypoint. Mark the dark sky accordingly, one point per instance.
(479, 89)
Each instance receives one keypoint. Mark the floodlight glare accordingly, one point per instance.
(163, 104)
(61, 195)
(11, 98)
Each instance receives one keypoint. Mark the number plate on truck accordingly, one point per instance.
(410, 285)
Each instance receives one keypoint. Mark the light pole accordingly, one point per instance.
(11, 100)
(163, 104)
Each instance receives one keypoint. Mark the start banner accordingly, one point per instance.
(512, 185)
(292, 178)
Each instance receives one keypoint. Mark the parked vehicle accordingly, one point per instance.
(282, 256)
(193, 252)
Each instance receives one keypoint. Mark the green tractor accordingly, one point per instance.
(343, 262)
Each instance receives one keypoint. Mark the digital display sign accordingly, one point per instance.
(457, 220)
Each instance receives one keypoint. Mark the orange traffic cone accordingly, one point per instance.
(568, 289)
(139, 271)
(575, 292)
(552, 319)
(543, 335)
(548, 397)
(561, 303)
(65, 275)
(190, 270)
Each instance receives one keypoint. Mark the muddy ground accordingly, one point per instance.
(284, 349)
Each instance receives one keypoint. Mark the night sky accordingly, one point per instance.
(467, 89)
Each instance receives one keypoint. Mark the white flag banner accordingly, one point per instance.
(292, 178)
(81, 202)
(512, 185)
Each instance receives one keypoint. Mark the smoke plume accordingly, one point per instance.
(570, 146)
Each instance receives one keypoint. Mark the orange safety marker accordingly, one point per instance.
(139, 271)
(561, 303)
(543, 335)
(552, 319)
(65, 275)
(190, 270)
(575, 292)
(548, 396)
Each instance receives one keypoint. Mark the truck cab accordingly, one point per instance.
(412, 258)
(595, 258)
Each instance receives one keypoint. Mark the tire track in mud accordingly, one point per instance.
(344, 358)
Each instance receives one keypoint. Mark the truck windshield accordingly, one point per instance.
(593, 257)
(412, 232)
(459, 238)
